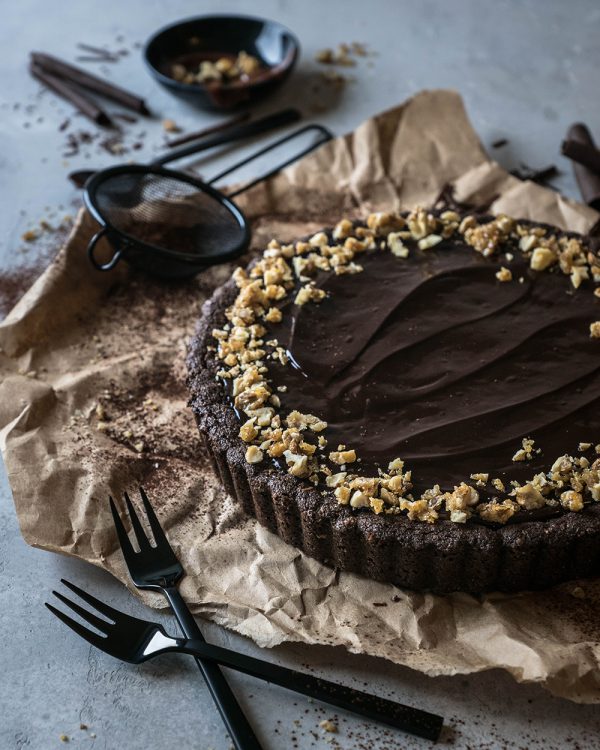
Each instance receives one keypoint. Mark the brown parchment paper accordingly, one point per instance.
(93, 400)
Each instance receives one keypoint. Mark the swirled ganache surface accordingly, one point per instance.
(433, 359)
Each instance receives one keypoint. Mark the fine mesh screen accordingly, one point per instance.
(168, 213)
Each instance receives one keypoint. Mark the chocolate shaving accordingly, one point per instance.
(447, 199)
(539, 176)
(582, 153)
(587, 179)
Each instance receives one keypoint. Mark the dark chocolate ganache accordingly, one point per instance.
(433, 360)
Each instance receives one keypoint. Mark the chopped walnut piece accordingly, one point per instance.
(526, 452)
(343, 229)
(498, 484)
(254, 455)
(528, 497)
(460, 500)
(343, 456)
(542, 258)
(297, 464)
(595, 329)
(419, 510)
(571, 500)
(480, 478)
(421, 223)
(498, 512)
(359, 500)
(504, 274)
(383, 223)
(309, 293)
(305, 421)
(430, 241)
(528, 242)
(274, 315)
(248, 430)
(584, 446)
(397, 247)
(336, 480)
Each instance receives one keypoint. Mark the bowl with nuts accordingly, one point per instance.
(220, 62)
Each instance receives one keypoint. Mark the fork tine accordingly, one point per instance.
(126, 545)
(81, 630)
(159, 535)
(138, 529)
(85, 614)
(103, 608)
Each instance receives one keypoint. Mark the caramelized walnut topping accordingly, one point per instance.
(343, 456)
(243, 353)
(504, 274)
(498, 512)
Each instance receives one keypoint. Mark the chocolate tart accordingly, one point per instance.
(470, 349)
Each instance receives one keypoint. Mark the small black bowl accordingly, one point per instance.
(209, 37)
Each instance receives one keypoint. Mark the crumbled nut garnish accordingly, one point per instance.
(343, 456)
(542, 258)
(244, 348)
(170, 126)
(385, 223)
(498, 512)
(248, 430)
(421, 223)
(498, 484)
(528, 497)
(254, 455)
(274, 315)
(309, 293)
(571, 500)
(595, 329)
(396, 245)
(578, 592)
(430, 241)
(504, 274)
(526, 452)
(459, 502)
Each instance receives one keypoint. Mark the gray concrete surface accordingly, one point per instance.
(526, 71)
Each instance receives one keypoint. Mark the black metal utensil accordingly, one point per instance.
(157, 568)
(170, 224)
(134, 640)
(230, 135)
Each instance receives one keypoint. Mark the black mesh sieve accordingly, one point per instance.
(169, 223)
(168, 213)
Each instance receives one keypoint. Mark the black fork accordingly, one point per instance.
(158, 569)
(134, 640)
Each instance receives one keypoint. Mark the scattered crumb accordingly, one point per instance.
(170, 126)
(328, 725)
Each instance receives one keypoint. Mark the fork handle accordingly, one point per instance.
(413, 720)
(240, 731)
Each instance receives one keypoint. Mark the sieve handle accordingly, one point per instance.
(236, 133)
(324, 135)
(91, 250)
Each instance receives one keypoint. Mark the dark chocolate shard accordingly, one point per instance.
(588, 180)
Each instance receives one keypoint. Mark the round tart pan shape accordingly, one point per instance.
(441, 557)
